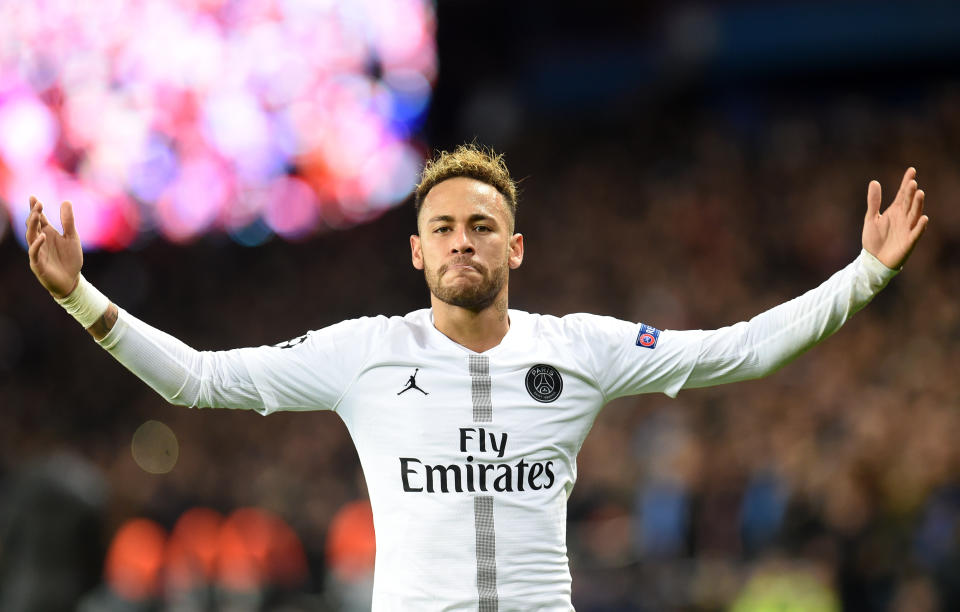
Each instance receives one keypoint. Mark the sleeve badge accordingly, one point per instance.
(648, 336)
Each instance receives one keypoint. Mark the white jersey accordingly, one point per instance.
(470, 457)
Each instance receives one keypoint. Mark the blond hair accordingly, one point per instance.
(471, 161)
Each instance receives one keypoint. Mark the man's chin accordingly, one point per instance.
(466, 297)
(461, 283)
(467, 288)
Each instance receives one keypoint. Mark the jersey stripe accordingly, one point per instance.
(479, 366)
(480, 388)
(486, 553)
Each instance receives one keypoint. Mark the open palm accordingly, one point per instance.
(891, 236)
(54, 258)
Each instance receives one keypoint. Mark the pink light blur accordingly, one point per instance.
(28, 132)
(111, 90)
(195, 199)
(291, 208)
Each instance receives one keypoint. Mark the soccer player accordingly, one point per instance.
(469, 473)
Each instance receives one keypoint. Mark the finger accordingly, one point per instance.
(34, 250)
(34, 225)
(907, 177)
(908, 195)
(33, 201)
(31, 224)
(916, 207)
(919, 228)
(31, 217)
(66, 219)
(41, 219)
(874, 197)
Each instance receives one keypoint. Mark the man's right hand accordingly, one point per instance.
(54, 258)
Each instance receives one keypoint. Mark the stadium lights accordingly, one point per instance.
(181, 118)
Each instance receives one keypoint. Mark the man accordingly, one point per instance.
(469, 478)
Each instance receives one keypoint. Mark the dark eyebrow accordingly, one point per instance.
(473, 218)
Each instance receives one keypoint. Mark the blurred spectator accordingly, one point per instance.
(786, 587)
(51, 525)
(351, 552)
(844, 462)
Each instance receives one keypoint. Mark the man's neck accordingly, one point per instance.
(477, 331)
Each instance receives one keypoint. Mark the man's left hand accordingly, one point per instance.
(891, 236)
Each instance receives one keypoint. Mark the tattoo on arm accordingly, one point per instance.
(105, 323)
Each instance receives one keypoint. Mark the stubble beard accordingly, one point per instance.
(475, 297)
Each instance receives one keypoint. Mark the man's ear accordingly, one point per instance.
(516, 251)
(416, 253)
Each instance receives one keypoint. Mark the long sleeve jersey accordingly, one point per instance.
(470, 457)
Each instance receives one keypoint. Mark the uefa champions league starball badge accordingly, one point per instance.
(544, 383)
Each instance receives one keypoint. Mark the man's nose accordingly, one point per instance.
(462, 242)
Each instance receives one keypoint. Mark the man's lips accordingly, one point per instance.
(460, 265)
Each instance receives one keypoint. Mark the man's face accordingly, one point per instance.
(466, 244)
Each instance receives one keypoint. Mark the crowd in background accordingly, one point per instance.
(833, 484)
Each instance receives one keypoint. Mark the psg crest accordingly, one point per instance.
(544, 383)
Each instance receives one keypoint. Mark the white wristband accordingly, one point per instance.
(85, 303)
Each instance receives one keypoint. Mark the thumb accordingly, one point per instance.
(874, 198)
(66, 219)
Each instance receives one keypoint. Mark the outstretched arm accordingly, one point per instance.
(776, 337)
(179, 373)
(262, 379)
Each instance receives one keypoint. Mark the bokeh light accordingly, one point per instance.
(192, 553)
(257, 117)
(155, 448)
(249, 551)
(351, 543)
(135, 559)
(257, 548)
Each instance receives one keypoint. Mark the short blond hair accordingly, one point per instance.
(471, 161)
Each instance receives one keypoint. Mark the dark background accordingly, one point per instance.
(687, 165)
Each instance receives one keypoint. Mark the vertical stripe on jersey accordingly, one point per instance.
(483, 504)
(480, 388)
(486, 553)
